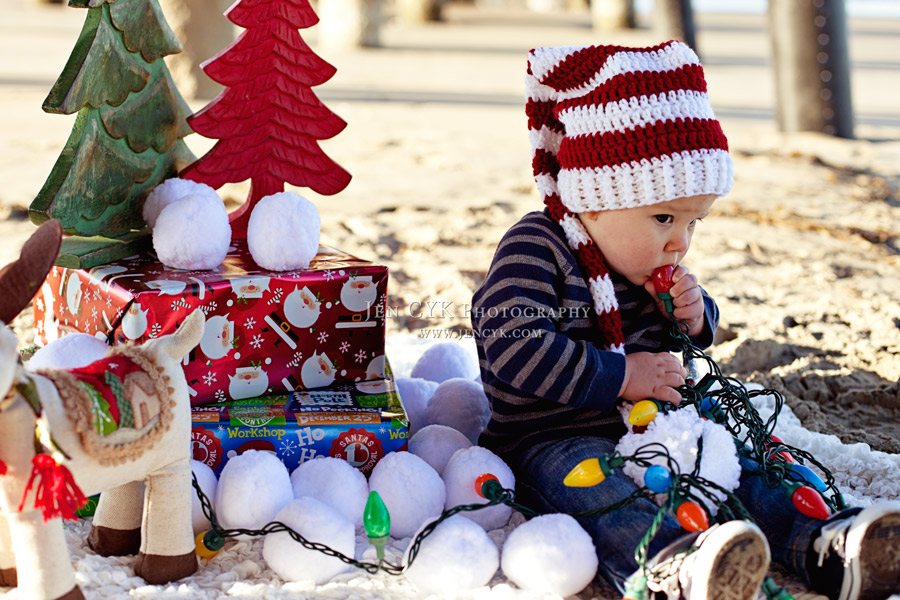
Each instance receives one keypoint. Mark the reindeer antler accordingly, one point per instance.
(21, 279)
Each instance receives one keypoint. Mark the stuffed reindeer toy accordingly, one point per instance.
(120, 426)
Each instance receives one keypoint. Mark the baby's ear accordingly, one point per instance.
(590, 214)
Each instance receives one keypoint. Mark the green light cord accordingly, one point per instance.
(733, 409)
(497, 495)
(753, 436)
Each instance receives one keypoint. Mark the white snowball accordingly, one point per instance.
(435, 445)
(334, 482)
(678, 431)
(253, 487)
(283, 232)
(69, 352)
(460, 404)
(208, 482)
(457, 556)
(443, 361)
(415, 393)
(169, 191)
(192, 233)
(550, 554)
(412, 491)
(463, 468)
(317, 522)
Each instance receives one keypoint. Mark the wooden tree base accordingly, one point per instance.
(85, 252)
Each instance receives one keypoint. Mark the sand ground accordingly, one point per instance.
(803, 256)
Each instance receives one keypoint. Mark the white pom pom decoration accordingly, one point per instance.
(334, 482)
(435, 445)
(550, 554)
(169, 191)
(192, 233)
(456, 557)
(283, 232)
(208, 483)
(317, 522)
(444, 361)
(71, 351)
(415, 393)
(460, 404)
(411, 490)
(679, 431)
(253, 487)
(460, 474)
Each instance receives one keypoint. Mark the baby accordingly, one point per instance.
(629, 157)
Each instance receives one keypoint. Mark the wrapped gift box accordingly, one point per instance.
(266, 331)
(359, 423)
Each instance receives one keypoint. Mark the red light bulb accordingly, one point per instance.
(784, 454)
(662, 283)
(809, 502)
(662, 278)
(691, 516)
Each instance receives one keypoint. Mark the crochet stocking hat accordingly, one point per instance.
(613, 128)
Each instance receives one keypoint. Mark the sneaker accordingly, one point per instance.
(858, 557)
(725, 562)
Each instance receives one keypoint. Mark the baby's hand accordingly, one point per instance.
(652, 375)
(686, 297)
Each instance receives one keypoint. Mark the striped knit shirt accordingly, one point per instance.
(543, 374)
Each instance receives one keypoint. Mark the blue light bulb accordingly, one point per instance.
(800, 472)
(658, 479)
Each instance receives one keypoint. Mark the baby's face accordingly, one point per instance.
(635, 241)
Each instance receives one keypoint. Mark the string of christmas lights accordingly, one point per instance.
(376, 522)
(726, 401)
(721, 399)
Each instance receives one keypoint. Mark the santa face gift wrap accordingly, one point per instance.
(266, 332)
(359, 423)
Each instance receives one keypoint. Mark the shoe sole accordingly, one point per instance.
(739, 569)
(879, 559)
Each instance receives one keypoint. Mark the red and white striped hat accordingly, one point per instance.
(628, 126)
(613, 128)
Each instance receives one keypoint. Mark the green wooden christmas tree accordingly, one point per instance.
(127, 137)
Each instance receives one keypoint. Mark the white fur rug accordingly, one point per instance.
(239, 571)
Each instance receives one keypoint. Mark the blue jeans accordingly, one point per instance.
(616, 534)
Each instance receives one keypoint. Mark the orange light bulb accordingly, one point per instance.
(691, 516)
(481, 480)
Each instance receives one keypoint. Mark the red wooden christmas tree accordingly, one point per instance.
(268, 120)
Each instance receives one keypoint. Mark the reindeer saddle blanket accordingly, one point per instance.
(120, 405)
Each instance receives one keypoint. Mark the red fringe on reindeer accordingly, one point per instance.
(57, 494)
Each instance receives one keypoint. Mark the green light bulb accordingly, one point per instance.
(377, 523)
(376, 518)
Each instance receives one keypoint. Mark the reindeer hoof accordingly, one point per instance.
(157, 569)
(8, 578)
(73, 594)
(107, 541)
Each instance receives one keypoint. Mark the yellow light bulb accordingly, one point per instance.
(643, 412)
(207, 545)
(585, 474)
